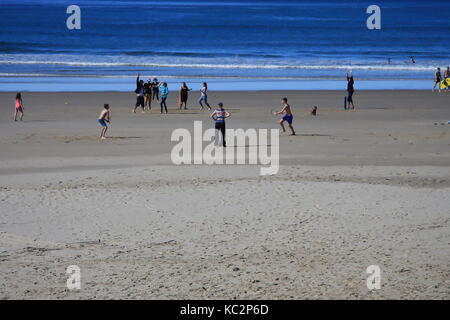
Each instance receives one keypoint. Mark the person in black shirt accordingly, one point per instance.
(155, 89)
(139, 94)
(148, 94)
(350, 91)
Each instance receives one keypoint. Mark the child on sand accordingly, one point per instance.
(286, 110)
(219, 115)
(103, 118)
(19, 107)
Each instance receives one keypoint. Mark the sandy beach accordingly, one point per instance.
(354, 189)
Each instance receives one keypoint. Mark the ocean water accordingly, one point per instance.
(247, 45)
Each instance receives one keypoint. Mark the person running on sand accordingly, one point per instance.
(164, 94)
(104, 118)
(286, 110)
(437, 79)
(148, 94)
(139, 94)
(183, 96)
(203, 96)
(350, 91)
(18, 107)
(219, 115)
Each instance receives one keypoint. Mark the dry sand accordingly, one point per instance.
(369, 187)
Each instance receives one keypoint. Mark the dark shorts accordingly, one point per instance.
(102, 122)
(288, 118)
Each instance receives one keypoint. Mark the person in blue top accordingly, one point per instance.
(164, 92)
(219, 115)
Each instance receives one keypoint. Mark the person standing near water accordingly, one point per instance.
(148, 94)
(183, 96)
(204, 96)
(18, 106)
(139, 94)
(219, 115)
(350, 90)
(437, 79)
(155, 89)
(164, 90)
(446, 77)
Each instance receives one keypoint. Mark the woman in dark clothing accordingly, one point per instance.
(350, 91)
(155, 89)
(183, 96)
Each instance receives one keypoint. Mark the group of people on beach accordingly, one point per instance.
(438, 80)
(146, 92)
(154, 90)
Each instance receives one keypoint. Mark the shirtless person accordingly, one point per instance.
(103, 118)
(286, 110)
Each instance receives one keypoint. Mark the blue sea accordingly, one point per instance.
(234, 45)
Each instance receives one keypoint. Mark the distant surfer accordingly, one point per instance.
(389, 61)
(350, 90)
(437, 79)
(412, 60)
(287, 115)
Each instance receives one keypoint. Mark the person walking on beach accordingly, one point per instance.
(286, 110)
(18, 107)
(446, 78)
(437, 79)
(148, 94)
(104, 118)
(155, 89)
(183, 97)
(204, 96)
(164, 90)
(139, 94)
(219, 115)
(350, 90)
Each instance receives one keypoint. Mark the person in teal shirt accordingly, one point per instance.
(164, 93)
